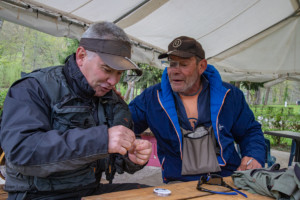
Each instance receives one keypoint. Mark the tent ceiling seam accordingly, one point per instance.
(54, 15)
(294, 14)
(229, 20)
(52, 11)
(139, 14)
(81, 6)
(131, 11)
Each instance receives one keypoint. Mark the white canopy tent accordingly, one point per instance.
(247, 40)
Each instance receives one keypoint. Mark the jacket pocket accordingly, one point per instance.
(199, 152)
(69, 117)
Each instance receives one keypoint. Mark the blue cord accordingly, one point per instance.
(228, 193)
(240, 192)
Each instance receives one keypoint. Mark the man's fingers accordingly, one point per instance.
(142, 144)
(144, 151)
(128, 137)
(142, 156)
(141, 151)
(138, 159)
(248, 163)
(241, 168)
(141, 161)
(120, 139)
(122, 151)
(126, 144)
(254, 165)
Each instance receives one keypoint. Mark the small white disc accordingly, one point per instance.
(162, 192)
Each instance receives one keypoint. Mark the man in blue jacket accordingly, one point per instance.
(196, 118)
(60, 123)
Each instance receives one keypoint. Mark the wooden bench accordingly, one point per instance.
(3, 194)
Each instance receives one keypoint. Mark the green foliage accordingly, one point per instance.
(285, 143)
(286, 93)
(251, 86)
(24, 49)
(72, 45)
(3, 93)
(278, 117)
(9, 72)
(275, 91)
(151, 76)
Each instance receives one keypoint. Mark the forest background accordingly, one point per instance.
(24, 50)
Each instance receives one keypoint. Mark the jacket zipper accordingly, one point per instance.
(217, 128)
(171, 122)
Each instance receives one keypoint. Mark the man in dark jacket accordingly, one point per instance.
(196, 118)
(60, 123)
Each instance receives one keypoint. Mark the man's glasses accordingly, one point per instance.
(215, 179)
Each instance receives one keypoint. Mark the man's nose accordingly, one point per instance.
(113, 79)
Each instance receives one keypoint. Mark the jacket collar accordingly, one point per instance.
(213, 76)
(76, 79)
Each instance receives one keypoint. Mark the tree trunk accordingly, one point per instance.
(257, 97)
(127, 93)
(1, 24)
(267, 95)
(136, 92)
(281, 89)
(132, 91)
(238, 84)
(35, 49)
(248, 96)
(23, 55)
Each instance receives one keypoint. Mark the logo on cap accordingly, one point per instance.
(177, 43)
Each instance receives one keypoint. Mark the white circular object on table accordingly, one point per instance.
(162, 192)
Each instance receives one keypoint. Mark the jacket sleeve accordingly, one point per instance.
(246, 130)
(30, 144)
(122, 116)
(138, 111)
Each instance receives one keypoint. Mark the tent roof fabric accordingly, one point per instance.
(253, 40)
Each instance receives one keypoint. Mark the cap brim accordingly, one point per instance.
(120, 63)
(181, 54)
(164, 55)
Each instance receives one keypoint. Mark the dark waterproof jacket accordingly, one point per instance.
(54, 131)
(231, 118)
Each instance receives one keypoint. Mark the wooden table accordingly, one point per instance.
(184, 190)
(289, 134)
(3, 194)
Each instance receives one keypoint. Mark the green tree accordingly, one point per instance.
(274, 95)
(72, 45)
(151, 76)
(286, 92)
(24, 49)
(253, 91)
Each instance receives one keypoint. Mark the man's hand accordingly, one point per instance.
(248, 163)
(141, 152)
(120, 139)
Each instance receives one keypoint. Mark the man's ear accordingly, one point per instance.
(203, 66)
(80, 56)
